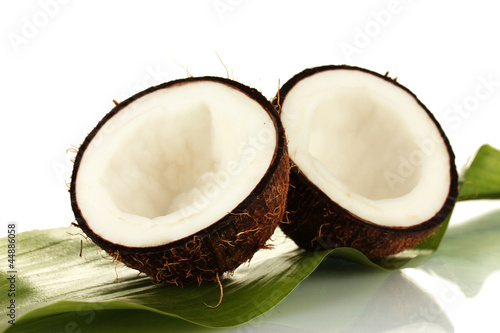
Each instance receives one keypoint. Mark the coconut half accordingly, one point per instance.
(373, 169)
(183, 181)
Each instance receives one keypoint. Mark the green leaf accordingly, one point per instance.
(53, 279)
(481, 180)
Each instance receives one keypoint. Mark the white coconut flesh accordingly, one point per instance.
(174, 162)
(368, 145)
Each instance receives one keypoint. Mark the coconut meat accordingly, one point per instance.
(173, 162)
(368, 145)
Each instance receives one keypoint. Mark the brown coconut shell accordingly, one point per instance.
(315, 222)
(223, 245)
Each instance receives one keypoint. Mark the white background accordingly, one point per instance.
(63, 62)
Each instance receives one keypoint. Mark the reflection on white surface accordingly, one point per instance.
(401, 304)
(350, 298)
(455, 290)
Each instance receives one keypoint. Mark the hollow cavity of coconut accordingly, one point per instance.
(183, 181)
(372, 168)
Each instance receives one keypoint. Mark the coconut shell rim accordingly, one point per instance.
(452, 196)
(217, 225)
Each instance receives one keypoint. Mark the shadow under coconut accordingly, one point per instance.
(469, 253)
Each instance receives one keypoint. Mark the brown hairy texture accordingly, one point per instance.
(315, 222)
(203, 258)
